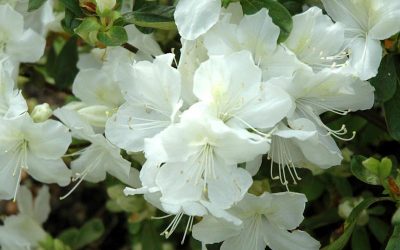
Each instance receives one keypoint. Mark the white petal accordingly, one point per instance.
(366, 55)
(258, 33)
(132, 124)
(306, 41)
(230, 187)
(193, 53)
(253, 166)
(28, 48)
(222, 39)
(21, 232)
(42, 205)
(80, 129)
(49, 171)
(174, 185)
(280, 239)
(287, 209)
(144, 42)
(250, 237)
(93, 159)
(387, 22)
(211, 230)
(221, 76)
(8, 181)
(25, 201)
(195, 18)
(11, 22)
(48, 140)
(281, 62)
(268, 109)
(95, 87)
(354, 14)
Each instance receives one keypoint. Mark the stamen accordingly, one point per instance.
(81, 176)
(174, 224)
(285, 163)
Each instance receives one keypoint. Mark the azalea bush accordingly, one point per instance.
(199, 124)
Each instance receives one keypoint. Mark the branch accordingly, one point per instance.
(130, 47)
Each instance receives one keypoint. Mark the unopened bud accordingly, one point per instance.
(41, 112)
(346, 207)
(105, 5)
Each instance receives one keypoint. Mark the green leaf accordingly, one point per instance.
(294, 6)
(150, 238)
(279, 14)
(88, 30)
(52, 244)
(65, 67)
(351, 222)
(324, 218)
(378, 228)
(359, 239)
(152, 16)
(343, 186)
(115, 36)
(392, 114)
(35, 4)
(385, 82)
(385, 167)
(361, 172)
(394, 241)
(73, 6)
(70, 22)
(78, 238)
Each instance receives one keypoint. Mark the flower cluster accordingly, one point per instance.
(203, 123)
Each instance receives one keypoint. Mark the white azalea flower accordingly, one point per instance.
(100, 96)
(310, 47)
(16, 43)
(257, 34)
(366, 23)
(32, 147)
(316, 93)
(231, 87)
(152, 93)
(194, 18)
(268, 220)
(297, 144)
(24, 231)
(201, 153)
(188, 202)
(12, 103)
(99, 158)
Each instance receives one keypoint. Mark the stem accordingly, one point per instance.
(373, 118)
(130, 47)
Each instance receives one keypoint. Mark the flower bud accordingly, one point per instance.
(41, 112)
(105, 5)
(347, 206)
(96, 115)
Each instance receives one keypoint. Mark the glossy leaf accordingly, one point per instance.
(392, 114)
(152, 16)
(385, 82)
(65, 68)
(115, 36)
(394, 241)
(351, 222)
(35, 4)
(361, 172)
